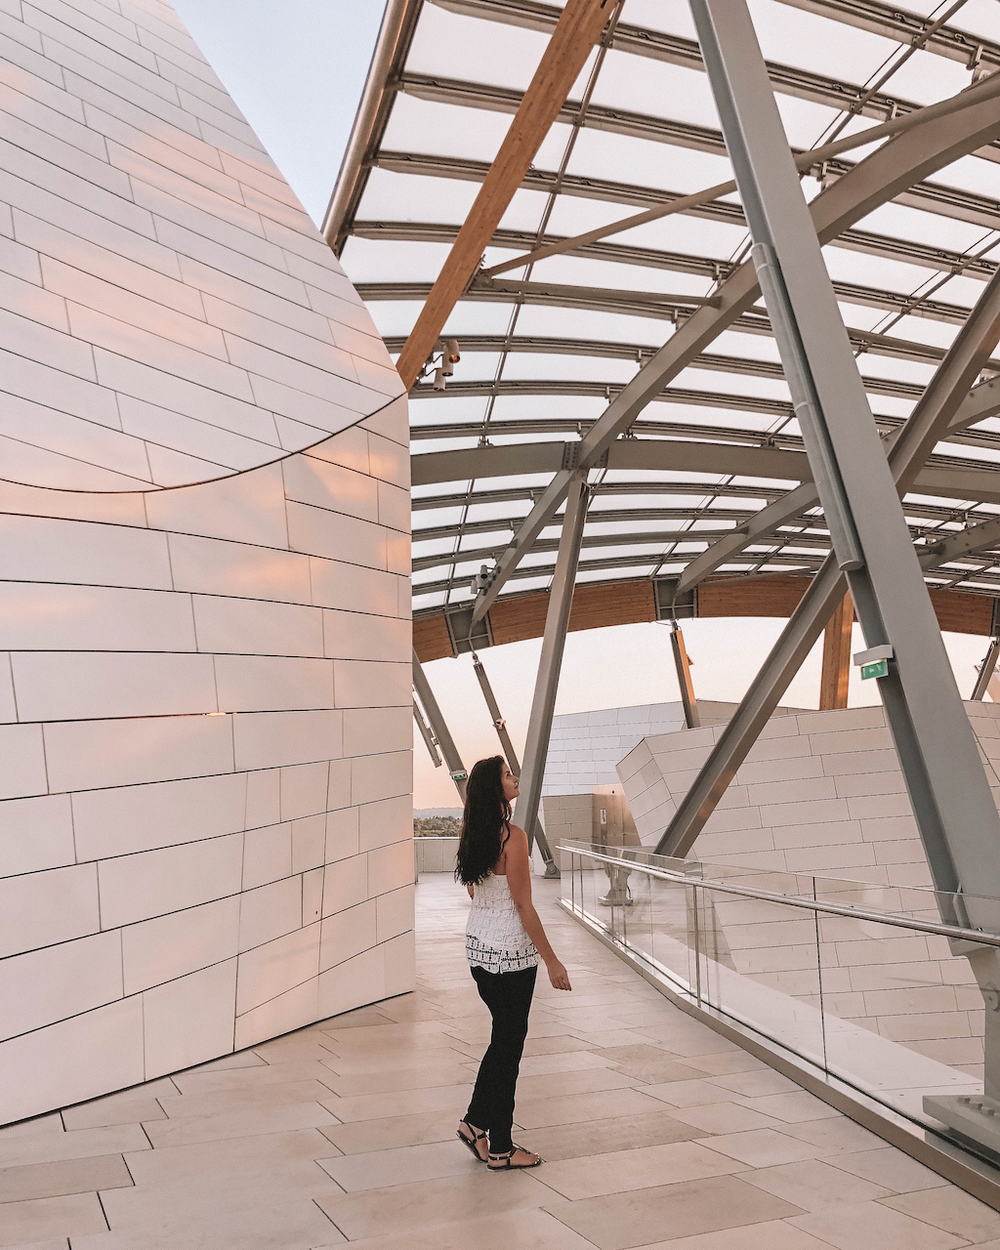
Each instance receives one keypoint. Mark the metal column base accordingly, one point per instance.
(617, 898)
(974, 1117)
(552, 872)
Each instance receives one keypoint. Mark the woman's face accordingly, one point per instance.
(511, 786)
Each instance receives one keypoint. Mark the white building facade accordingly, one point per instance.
(205, 748)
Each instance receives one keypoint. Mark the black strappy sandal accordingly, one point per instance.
(472, 1141)
(507, 1165)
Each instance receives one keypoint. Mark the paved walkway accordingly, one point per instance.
(657, 1132)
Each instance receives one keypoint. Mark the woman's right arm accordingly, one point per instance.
(518, 867)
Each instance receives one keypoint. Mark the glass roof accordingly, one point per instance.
(539, 365)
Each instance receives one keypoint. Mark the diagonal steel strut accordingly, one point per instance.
(937, 750)
(902, 161)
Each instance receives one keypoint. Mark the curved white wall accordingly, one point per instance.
(205, 717)
(171, 313)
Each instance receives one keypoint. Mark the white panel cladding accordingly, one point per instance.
(821, 793)
(205, 738)
(196, 852)
(585, 747)
(170, 314)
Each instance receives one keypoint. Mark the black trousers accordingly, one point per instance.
(508, 996)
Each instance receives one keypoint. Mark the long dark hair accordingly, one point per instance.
(485, 822)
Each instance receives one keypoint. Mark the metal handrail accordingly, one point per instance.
(807, 904)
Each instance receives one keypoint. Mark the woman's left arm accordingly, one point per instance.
(518, 866)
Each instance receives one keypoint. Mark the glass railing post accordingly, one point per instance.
(819, 982)
(697, 944)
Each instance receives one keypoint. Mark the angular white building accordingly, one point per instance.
(205, 766)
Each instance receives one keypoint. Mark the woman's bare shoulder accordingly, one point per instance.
(518, 834)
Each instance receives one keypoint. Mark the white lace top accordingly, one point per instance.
(494, 936)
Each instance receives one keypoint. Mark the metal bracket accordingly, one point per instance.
(874, 654)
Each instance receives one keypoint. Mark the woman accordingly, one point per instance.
(503, 942)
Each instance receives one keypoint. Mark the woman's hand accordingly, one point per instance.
(558, 976)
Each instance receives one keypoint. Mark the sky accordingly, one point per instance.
(297, 71)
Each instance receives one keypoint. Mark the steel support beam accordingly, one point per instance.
(987, 670)
(500, 725)
(580, 243)
(439, 728)
(902, 161)
(836, 670)
(902, 26)
(430, 742)
(932, 732)
(947, 480)
(536, 746)
(682, 665)
(937, 750)
(577, 30)
(657, 45)
(394, 37)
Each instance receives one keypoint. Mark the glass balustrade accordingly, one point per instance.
(864, 981)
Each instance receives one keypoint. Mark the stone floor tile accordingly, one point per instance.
(288, 1156)
(569, 1061)
(403, 1102)
(386, 1034)
(758, 1084)
(556, 1084)
(621, 1221)
(771, 1235)
(562, 1043)
(650, 1064)
(60, 1243)
(952, 1210)
(574, 1108)
(637, 1168)
(298, 1225)
(400, 1166)
(723, 1117)
(114, 1110)
(450, 1071)
(762, 1148)
(729, 1061)
(39, 1126)
(612, 1037)
(81, 1143)
(244, 1098)
(572, 1141)
(795, 1108)
(242, 1059)
(362, 1136)
(813, 1184)
(44, 1219)
(888, 1167)
(873, 1226)
(69, 1176)
(689, 1093)
(398, 1060)
(249, 1123)
(398, 1208)
(295, 1049)
(358, 1018)
(834, 1134)
(518, 1230)
(213, 1081)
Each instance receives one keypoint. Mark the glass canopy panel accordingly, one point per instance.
(540, 364)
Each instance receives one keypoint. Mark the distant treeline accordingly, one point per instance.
(437, 827)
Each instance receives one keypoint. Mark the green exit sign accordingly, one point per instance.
(879, 669)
